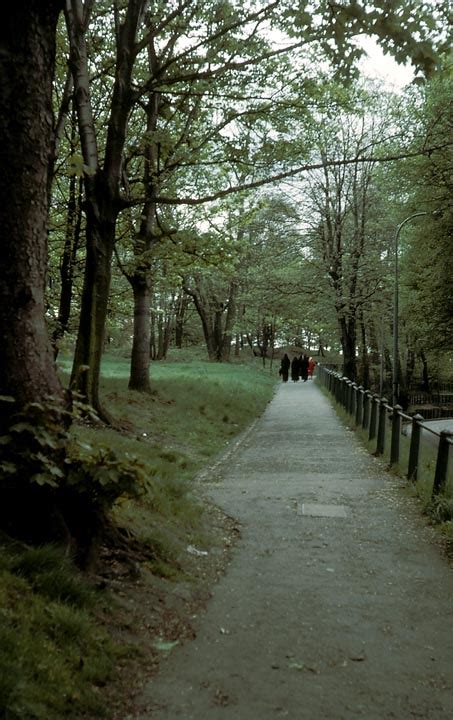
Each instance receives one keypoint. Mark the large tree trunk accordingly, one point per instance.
(27, 41)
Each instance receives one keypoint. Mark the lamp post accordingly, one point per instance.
(395, 385)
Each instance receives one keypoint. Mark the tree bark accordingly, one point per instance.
(348, 345)
(181, 309)
(229, 322)
(141, 343)
(95, 295)
(27, 40)
(68, 259)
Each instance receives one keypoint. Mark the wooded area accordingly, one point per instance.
(177, 173)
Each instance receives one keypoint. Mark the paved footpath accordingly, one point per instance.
(336, 605)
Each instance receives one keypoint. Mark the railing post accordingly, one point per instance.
(440, 477)
(373, 419)
(359, 405)
(396, 434)
(345, 393)
(338, 388)
(353, 399)
(366, 409)
(380, 445)
(414, 451)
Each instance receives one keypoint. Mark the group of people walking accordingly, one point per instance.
(301, 367)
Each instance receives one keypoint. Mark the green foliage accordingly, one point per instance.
(36, 451)
(32, 448)
(440, 509)
(428, 263)
(101, 476)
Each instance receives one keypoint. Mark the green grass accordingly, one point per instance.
(55, 654)
(194, 411)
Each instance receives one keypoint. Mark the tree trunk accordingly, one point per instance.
(207, 322)
(229, 322)
(425, 373)
(181, 309)
(141, 345)
(93, 314)
(348, 345)
(71, 246)
(410, 367)
(27, 39)
(365, 358)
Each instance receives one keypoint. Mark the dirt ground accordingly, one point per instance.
(323, 597)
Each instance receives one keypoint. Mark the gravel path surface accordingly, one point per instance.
(336, 605)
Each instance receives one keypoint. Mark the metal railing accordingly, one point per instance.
(373, 414)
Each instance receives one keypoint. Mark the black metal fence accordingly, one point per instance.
(375, 415)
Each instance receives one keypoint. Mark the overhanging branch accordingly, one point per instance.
(262, 182)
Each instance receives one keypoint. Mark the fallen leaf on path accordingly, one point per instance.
(358, 658)
(301, 667)
(192, 550)
(164, 645)
(221, 698)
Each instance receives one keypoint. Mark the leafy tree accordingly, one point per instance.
(426, 263)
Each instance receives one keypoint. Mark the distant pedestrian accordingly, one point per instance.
(295, 369)
(284, 367)
(301, 361)
(304, 368)
(311, 367)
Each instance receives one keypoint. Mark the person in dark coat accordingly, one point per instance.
(284, 367)
(304, 368)
(295, 369)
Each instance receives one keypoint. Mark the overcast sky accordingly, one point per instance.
(384, 67)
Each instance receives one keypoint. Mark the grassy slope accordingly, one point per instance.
(61, 647)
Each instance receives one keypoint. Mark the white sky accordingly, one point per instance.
(383, 67)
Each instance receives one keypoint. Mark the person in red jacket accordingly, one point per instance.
(311, 367)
